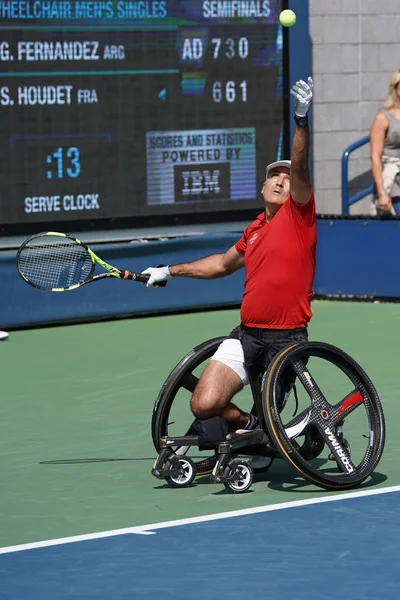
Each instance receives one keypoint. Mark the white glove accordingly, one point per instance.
(157, 275)
(303, 94)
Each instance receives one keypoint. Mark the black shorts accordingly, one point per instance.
(260, 346)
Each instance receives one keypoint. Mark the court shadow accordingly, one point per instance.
(286, 479)
(165, 486)
(83, 461)
(225, 492)
(205, 480)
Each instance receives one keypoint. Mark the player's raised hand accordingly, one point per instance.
(303, 93)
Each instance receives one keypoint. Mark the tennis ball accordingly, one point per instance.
(287, 18)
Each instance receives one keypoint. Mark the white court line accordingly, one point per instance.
(150, 529)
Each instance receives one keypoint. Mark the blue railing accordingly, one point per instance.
(346, 201)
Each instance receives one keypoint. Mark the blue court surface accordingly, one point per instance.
(344, 546)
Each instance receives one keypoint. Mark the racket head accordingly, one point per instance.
(55, 262)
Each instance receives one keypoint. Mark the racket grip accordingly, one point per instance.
(141, 278)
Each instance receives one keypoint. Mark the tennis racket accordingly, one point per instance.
(58, 262)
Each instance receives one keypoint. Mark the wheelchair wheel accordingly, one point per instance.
(176, 390)
(189, 473)
(242, 477)
(342, 410)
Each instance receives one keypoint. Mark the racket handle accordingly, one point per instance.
(140, 278)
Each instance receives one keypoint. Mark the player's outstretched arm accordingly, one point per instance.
(300, 180)
(209, 267)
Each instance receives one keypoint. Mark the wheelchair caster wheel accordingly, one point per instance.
(183, 479)
(242, 477)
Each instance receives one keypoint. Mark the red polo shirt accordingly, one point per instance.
(279, 258)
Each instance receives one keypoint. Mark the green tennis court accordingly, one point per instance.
(75, 414)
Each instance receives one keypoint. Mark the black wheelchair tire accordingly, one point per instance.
(289, 450)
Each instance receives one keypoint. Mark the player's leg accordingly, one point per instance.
(224, 376)
(214, 392)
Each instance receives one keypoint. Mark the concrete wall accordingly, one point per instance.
(355, 46)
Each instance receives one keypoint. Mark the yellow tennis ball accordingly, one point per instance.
(287, 18)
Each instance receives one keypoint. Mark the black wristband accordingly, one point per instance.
(301, 121)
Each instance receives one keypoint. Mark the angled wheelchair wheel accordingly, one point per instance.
(171, 412)
(333, 432)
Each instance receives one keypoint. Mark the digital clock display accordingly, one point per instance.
(137, 110)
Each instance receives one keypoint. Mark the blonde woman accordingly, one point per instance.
(385, 151)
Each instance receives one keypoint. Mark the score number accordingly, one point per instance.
(229, 91)
(230, 48)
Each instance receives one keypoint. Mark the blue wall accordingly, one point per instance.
(358, 257)
(354, 257)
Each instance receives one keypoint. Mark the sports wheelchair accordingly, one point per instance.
(310, 428)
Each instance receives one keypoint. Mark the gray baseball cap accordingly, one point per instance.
(278, 163)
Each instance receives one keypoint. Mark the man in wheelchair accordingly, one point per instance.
(277, 251)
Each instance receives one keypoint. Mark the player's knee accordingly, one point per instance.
(215, 389)
(202, 408)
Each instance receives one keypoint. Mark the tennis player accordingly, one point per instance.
(277, 251)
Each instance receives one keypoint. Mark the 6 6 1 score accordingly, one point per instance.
(229, 91)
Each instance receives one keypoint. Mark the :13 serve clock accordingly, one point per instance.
(64, 162)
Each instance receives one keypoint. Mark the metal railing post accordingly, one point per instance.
(346, 201)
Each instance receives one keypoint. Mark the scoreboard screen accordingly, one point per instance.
(137, 111)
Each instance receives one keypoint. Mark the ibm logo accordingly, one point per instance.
(202, 182)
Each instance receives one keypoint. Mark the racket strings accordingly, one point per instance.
(53, 262)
